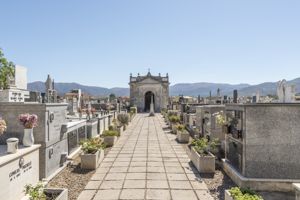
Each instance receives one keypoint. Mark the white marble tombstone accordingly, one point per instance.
(286, 93)
(21, 77)
(17, 87)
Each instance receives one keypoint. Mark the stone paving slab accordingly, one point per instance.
(146, 163)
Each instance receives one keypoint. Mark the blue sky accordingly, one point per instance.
(99, 43)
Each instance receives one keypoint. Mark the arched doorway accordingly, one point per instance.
(148, 97)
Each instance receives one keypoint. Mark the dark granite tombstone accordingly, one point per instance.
(235, 96)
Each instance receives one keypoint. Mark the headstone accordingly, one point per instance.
(257, 97)
(286, 93)
(35, 97)
(235, 96)
(21, 77)
(17, 87)
(254, 100)
(51, 93)
(218, 92)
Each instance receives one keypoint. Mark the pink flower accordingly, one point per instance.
(28, 120)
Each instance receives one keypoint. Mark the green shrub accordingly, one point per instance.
(180, 127)
(123, 119)
(92, 145)
(110, 133)
(174, 119)
(203, 146)
(172, 113)
(131, 113)
(35, 192)
(163, 111)
(244, 194)
(111, 128)
(133, 110)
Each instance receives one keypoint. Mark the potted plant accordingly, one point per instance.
(183, 135)
(29, 121)
(174, 120)
(110, 137)
(116, 126)
(93, 153)
(237, 193)
(39, 192)
(201, 155)
(123, 118)
(131, 114)
(133, 110)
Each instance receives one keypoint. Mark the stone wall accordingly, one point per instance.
(272, 140)
(47, 133)
(213, 129)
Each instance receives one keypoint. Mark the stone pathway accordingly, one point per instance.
(146, 163)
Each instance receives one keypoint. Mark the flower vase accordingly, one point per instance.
(28, 139)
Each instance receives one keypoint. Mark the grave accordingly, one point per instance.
(50, 92)
(18, 170)
(286, 93)
(17, 87)
(262, 146)
(48, 132)
(206, 121)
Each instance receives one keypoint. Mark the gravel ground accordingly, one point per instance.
(218, 183)
(73, 178)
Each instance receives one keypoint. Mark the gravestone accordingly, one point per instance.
(34, 97)
(257, 97)
(17, 87)
(286, 93)
(235, 96)
(219, 92)
(51, 93)
(254, 100)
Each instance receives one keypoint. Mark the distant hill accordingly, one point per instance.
(63, 88)
(203, 89)
(190, 89)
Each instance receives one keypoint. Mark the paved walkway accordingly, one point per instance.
(146, 163)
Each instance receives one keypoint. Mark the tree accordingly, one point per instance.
(112, 97)
(6, 69)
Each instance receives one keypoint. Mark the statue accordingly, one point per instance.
(51, 94)
(151, 107)
(48, 84)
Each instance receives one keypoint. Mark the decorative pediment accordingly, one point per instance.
(149, 80)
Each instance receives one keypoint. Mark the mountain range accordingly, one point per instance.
(188, 89)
